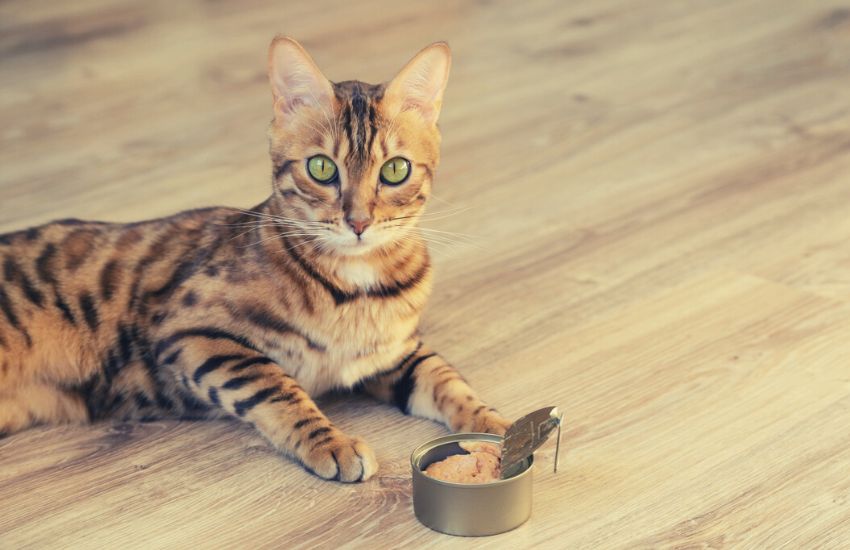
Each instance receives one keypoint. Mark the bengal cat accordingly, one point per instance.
(248, 313)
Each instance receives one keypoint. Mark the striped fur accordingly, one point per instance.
(248, 313)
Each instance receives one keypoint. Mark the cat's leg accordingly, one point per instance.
(424, 384)
(35, 404)
(224, 373)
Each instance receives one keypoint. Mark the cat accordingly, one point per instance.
(247, 313)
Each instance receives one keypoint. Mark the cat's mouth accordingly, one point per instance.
(350, 244)
(354, 246)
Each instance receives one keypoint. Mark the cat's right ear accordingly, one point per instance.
(295, 79)
(421, 83)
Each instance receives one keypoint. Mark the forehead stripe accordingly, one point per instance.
(358, 114)
(346, 125)
(373, 125)
(359, 120)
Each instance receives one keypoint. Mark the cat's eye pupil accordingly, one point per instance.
(395, 171)
(322, 169)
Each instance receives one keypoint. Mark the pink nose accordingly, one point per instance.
(359, 226)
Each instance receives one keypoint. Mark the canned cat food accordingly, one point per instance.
(468, 509)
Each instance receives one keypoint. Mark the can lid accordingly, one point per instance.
(526, 435)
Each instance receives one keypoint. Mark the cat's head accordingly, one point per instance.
(353, 162)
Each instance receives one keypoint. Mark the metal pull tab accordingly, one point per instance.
(558, 441)
(526, 435)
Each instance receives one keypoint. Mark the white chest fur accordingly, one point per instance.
(359, 338)
(354, 355)
(358, 273)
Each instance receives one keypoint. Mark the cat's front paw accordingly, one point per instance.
(493, 423)
(342, 458)
(483, 421)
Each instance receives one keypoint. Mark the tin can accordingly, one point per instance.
(468, 509)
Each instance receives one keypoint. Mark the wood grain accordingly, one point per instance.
(659, 197)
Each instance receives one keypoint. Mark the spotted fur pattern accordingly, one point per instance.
(223, 312)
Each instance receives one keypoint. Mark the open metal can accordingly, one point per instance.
(468, 509)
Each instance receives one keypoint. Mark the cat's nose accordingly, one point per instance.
(358, 225)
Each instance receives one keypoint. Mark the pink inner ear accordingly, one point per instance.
(410, 103)
(291, 104)
(425, 109)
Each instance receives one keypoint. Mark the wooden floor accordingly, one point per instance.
(659, 194)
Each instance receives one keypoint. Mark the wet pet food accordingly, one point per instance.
(481, 465)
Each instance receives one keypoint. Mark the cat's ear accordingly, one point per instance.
(295, 79)
(420, 84)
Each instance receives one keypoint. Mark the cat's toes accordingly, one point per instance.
(342, 458)
(495, 424)
(489, 422)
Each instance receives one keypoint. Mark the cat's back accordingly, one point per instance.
(77, 244)
(91, 260)
(70, 287)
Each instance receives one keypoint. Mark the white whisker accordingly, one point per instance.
(299, 233)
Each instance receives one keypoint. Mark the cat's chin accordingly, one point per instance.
(356, 248)
(350, 246)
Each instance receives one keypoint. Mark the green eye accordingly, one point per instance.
(395, 171)
(321, 168)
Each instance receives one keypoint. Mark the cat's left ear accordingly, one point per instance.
(295, 79)
(420, 84)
